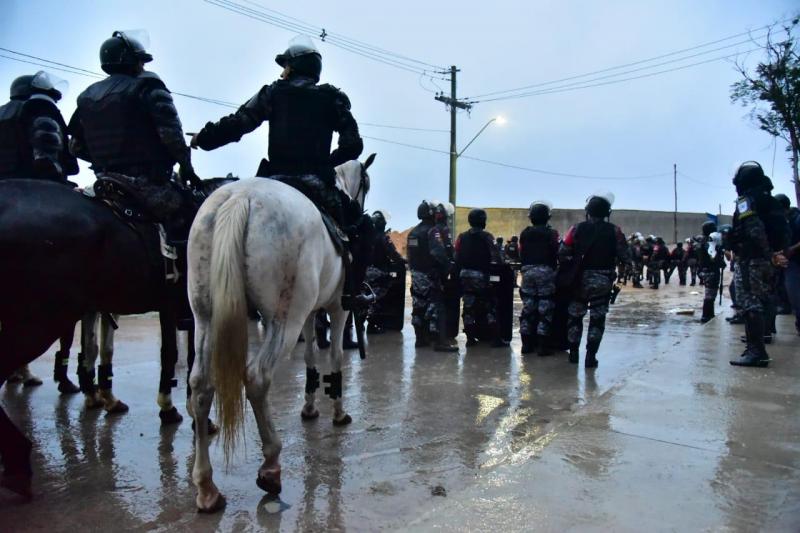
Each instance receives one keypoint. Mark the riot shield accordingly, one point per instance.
(503, 281)
(390, 314)
(452, 305)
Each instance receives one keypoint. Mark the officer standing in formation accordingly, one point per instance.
(539, 256)
(384, 255)
(711, 262)
(430, 265)
(476, 254)
(593, 248)
(760, 234)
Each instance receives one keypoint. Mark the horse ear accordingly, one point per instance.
(369, 161)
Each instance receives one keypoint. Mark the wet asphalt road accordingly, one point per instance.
(664, 435)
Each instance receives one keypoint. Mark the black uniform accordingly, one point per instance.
(302, 117)
(384, 257)
(33, 140)
(475, 255)
(429, 264)
(539, 256)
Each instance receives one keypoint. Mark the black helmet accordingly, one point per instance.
(539, 212)
(477, 218)
(442, 210)
(302, 56)
(751, 176)
(123, 49)
(783, 200)
(599, 204)
(379, 220)
(42, 82)
(514, 238)
(709, 227)
(425, 210)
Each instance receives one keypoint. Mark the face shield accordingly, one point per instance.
(608, 196)
(299, 46)
(44, 81)
(545, 203)
(137, 41)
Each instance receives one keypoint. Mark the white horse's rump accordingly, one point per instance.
(259, 243)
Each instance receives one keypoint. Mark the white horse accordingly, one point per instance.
(260, 243)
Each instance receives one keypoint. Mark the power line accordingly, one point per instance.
(700, 182)
(522, 168)
(568, 88)
(368, 51)
(639, 62)
(402, 127)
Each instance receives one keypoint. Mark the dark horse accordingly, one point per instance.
(63, 255)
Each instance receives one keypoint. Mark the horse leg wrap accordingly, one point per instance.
(334, 388)
(312, 380)
(85, 377)
(167, 382)
(60, 366)
(104, 375)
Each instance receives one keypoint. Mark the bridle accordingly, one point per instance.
(363, 185)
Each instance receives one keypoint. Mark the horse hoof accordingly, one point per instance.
(32, 381)
(65, 386)
(313, 415)
(345, 420)
(217, 505)
(170, 416)
(18, 484)
(213, 429)
(90, 402)
(119, 407)
(270, 482)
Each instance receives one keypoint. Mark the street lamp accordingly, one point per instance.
(454, 158)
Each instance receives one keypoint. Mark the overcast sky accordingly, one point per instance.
(635, 128)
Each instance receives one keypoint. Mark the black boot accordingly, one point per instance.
(754, 354)
(574, 355)
(348, 343)
(421, 334)
(444, 343)
(497, 340)
(544, 346)
(591, 354)
(65, 386)
(472, 335)
(708, 311)
(528, 343)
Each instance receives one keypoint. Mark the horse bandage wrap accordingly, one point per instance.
(85, 377)
(312, 380)
(334, 388)
(104, 375)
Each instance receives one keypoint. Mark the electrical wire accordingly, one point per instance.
(700, 182)
(402, 127)
(634, 63)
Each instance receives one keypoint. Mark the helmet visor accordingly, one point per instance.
(49, 82)
(137, 41)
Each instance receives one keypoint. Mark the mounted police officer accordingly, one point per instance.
(430, 265)
(711, 262)
(303, 116)
(760, 234)
(33, 135)
(384, 256)
(127, 127)
(476, 254)
(539, 256)
(593, 247)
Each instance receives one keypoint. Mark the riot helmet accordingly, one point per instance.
(599, 204)
(425, 210)
(477, 218)
(124, 50)
(42, 82)
(539, 212)
(514, 238)
(783, 200)
(709, 227)
(687, 240)
(302, 57)
(442, 211)
(751, 176)
(379, 220)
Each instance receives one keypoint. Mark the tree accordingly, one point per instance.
(772, 89)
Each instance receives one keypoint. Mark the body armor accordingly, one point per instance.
(596, 242)
(419, 255)
(539, 246)
(475, 249)
(15, 150)
(119, 135)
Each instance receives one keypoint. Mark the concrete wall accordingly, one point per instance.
(506, 222)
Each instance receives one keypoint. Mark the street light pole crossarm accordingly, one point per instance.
(499, 120)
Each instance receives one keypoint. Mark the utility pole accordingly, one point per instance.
(675, 213)
(454, 104)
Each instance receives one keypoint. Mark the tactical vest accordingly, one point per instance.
(474, 250)
(418, 248)
(380, 256)
(537, 246)
(512, 251)
(119, 133)
(16, 154)
(301, 126)
(597, 243)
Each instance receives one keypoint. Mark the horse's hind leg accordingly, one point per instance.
(15, 450)
(334, 379)
(86, 361)
(310, 411)
(105, 372)
(209, 499)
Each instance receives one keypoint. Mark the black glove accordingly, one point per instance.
(187, 176)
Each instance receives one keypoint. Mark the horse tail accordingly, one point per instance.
(229, 317)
